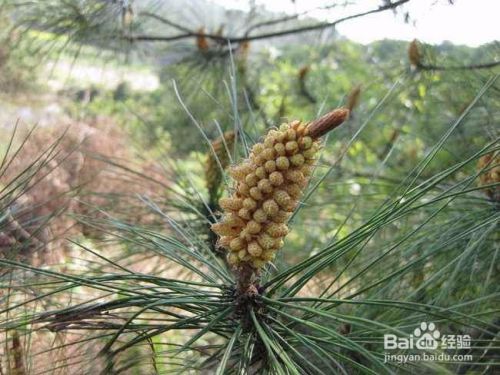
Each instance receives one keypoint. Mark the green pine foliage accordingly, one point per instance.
(424, 249)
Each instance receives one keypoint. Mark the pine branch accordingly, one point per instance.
(165, 21)
(238, 39)
(458, 67)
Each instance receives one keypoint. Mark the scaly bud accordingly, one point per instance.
(201, 40)
(491, 175)
(414, 54)
(353, 98)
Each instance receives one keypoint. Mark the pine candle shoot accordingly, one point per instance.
(268, 187)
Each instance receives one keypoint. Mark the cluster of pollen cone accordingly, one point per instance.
(268, 188)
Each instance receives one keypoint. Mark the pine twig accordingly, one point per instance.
(488, 65)
(239, 39)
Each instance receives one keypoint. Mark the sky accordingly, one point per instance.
(469, 22)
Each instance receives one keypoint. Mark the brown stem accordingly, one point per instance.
(246, 277)
(17, 352)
